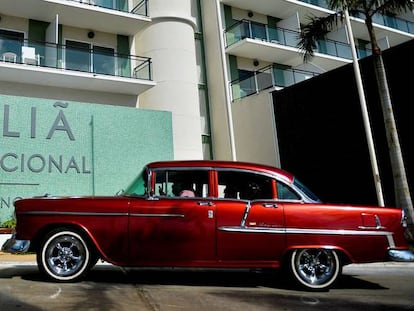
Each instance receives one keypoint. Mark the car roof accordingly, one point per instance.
(288, 177)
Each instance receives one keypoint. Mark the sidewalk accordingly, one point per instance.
(20, 258)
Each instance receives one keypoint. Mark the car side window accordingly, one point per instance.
(284, 192)
(181, 183)
(244, 185)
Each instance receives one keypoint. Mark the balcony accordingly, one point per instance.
(277, 45)
(139, 7)
(87, 14)
(388, 21)
(268, 77)
(71, 66)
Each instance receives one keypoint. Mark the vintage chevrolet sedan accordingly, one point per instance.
(209, 214)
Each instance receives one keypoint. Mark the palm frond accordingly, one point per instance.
(315, 30)
(393, 6)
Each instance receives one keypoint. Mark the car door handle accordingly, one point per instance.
(270, 205)
(203, 203)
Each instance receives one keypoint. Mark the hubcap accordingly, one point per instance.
(65, 255)
(315, 266)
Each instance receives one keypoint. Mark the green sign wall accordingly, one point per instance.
(71, 148)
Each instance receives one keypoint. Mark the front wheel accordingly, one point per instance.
(64, 255)
(315, 269)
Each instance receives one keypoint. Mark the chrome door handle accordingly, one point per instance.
(202, 203)
(270, 205)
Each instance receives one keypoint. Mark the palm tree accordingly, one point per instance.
(316, 30)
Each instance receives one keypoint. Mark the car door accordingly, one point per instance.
(250, 223)
(173, 227)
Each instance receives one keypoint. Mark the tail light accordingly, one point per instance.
(404, 219)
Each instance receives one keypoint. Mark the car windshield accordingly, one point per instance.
(139, 186)
(305, 190)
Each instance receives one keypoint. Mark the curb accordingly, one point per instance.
(30, 259)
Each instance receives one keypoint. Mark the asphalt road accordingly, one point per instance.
(368, 287)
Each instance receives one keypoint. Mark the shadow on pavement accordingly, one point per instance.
(186, 277)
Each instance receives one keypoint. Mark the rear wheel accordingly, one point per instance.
(64, 255)
(315, 269)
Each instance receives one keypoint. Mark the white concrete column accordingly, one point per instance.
(169, 41)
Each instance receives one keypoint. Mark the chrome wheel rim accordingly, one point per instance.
(65, 255)
(316, 267)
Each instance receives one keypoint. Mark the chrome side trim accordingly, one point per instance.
(253, 230)
(42, 213)
(337, 232)
(306, 231)
(159, 215)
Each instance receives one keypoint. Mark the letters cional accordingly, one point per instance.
(11, 162)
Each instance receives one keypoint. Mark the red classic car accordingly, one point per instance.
(210, 214)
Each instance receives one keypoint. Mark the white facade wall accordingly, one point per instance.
(169, 41)
(217, 97)
(255, 130)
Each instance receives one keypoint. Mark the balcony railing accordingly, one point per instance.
(262, 32)
(97, 60)
(389, 21)
(139, 7)
(270, 76)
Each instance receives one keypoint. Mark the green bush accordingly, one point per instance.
(11, 223)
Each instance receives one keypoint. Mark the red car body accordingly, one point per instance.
(241, 215)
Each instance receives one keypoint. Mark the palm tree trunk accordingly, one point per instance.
(401, 189)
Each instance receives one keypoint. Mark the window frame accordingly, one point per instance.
(205, 186)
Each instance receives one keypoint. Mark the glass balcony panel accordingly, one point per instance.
(235, 33)
(51, 56)
(103, 60)
(279, 76)
(139, 7)
(288, 77)
(264, 80)
(273, 75)
(274, 35)
(378, 19)
(290, 37)
(343, 50)
(243, 29)
(258, 31)
(110, 4)
(300, 76)
(402, 25)
(142, 69)
(321, 3)
(363, 52)
(76, 56)
(10, 45)
(248, 86)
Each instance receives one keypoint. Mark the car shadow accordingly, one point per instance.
(242, 278)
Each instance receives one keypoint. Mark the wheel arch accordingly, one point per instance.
(344, 256)
(44, 231)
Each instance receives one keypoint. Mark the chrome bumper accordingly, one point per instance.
(401, 255)
(15, 246)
